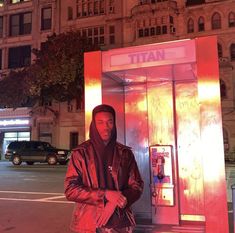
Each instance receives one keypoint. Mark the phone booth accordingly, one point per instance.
(167, 100)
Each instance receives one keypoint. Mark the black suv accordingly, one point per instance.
(35, 151)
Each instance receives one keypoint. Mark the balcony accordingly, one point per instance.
(149, 7)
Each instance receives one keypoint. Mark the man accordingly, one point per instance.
(103, 179)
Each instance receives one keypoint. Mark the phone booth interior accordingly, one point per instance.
(167, 102)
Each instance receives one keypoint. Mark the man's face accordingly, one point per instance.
(104, 123)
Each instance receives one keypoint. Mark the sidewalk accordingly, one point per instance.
(145, 226)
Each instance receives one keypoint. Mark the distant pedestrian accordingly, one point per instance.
(103, 179)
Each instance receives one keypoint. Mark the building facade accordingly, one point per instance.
(25, 24)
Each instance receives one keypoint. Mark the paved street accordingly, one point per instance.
(32, 200)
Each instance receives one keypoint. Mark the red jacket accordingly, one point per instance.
(81, 184)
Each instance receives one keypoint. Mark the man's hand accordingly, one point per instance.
(106, 214)
(116, 198)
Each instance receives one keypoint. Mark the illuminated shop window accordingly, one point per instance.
(24, 134)
(190, 26)
(21, 24)
(216, 21)
(231, 19)
(18, 1)
(11, 135)
(201, 24)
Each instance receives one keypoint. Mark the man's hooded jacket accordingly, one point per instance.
(95, 167)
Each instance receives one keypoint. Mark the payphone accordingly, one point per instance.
(162, 185)
(167, 100)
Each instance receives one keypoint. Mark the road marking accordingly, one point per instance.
(35, 200)
(9, 191)
(44, 199)
(51, 198)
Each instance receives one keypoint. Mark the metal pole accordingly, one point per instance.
(233, 200)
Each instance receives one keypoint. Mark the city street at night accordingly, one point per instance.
(32, 200)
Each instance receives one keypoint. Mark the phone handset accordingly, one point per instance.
(160, 167)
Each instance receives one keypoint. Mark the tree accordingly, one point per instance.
(14, 90)
(57, 72)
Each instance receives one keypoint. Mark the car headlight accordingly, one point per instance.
(61, 152)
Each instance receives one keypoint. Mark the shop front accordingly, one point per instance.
(14, 126)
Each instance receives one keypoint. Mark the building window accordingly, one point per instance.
(17, 1)
(146, 32)
(45, 132)
(158, 30)
(111, 7)
(201, 24)
(231, 19)
(111, 35)
(102, 6)
(220, 50)
(141, 33)
(155, 26)
(0, 59)
(20, 24)
(1, 26)
(232, 52)
(70, 13)
(95, 35)
(90, 7)
(74, 139)
(226, 140)
(223, 89)
(143, 2)
(84, 9)
(164, 29)
(19, 56)
(190, 26)
(46, 18)
(216, 21)
(152, 31)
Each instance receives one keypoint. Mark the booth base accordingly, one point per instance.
(145, 226)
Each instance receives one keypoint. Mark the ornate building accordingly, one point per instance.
(111, 24)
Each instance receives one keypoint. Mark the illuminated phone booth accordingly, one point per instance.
(167, 99)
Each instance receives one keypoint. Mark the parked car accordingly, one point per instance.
(35, 151)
